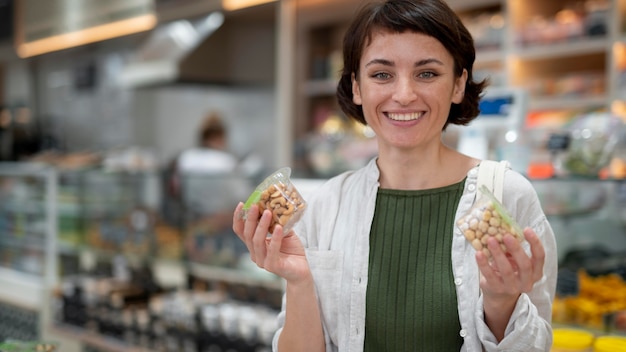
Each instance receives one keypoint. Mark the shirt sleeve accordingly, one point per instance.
(303, 229)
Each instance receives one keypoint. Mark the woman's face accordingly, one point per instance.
(406, 85)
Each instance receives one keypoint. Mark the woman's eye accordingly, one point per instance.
(427, 74)
(381, 75)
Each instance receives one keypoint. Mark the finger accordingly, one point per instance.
(537, 251)
(501, 261)
(238, 222)
(273, 248)
(260, 235)
(251, 223)
(249, 226)
(489, 273)
(521, 261)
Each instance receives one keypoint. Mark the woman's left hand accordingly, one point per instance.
(506, 275)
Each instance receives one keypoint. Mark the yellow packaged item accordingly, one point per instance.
(570, 340)
(610, 344)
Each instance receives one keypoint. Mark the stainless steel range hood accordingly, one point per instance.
(159, 58)
(230, 49)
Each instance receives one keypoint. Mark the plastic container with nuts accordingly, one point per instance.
(488, 218)
(278, 194)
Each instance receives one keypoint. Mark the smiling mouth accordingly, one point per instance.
(405, 117)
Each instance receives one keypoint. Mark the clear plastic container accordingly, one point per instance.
(278, 194)
(610, 344)
(593, 140)
(572, 340)
(488, 218)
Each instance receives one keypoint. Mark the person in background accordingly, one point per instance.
(208, 159)
(211, 155)
(376, 263)
(207, 183)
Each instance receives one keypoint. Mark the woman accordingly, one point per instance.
(376, 263)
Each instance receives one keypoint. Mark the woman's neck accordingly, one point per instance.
(417, 170)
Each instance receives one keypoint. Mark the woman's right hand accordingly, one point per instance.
(281, 254)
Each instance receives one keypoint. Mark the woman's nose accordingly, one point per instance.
(405, 91)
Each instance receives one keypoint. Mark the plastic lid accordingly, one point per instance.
(572, 338)
(610, 344)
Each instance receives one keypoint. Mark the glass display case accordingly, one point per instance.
(208, 202)
(588, 216)
(27, 223)
(132, 243)
(146, 216)
(585, 212)
(118, 211)
(28, 265)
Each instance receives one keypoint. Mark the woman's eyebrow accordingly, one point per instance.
(428, 61)
(391, 63)
(379, 62)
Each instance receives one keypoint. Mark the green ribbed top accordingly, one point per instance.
(411, 296)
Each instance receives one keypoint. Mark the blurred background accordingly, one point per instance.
(116, 213)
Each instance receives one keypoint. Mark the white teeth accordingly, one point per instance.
(405, 117)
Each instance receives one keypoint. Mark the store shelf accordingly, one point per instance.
(566, 103)
(250, 277)
(93, 339)
(21, 289)
(27, 241)
(25, 207)
(559, 50)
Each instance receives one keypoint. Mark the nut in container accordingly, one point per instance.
(488, 218)
(278, 194)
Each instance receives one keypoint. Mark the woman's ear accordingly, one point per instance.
(459, 88)
(356, 91)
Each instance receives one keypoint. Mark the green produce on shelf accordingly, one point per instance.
(20, 346)
(593, 140)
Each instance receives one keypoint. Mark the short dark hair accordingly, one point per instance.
(212, 128)
(431, 17)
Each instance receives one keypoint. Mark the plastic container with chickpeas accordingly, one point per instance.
(488, 219)
(278, 194)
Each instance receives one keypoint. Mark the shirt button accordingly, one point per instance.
(471, 187)
(458, 281)
(463, 333)
(473, 171)
(358, 280)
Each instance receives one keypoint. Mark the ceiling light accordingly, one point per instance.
(232, 5)
(86, 36)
